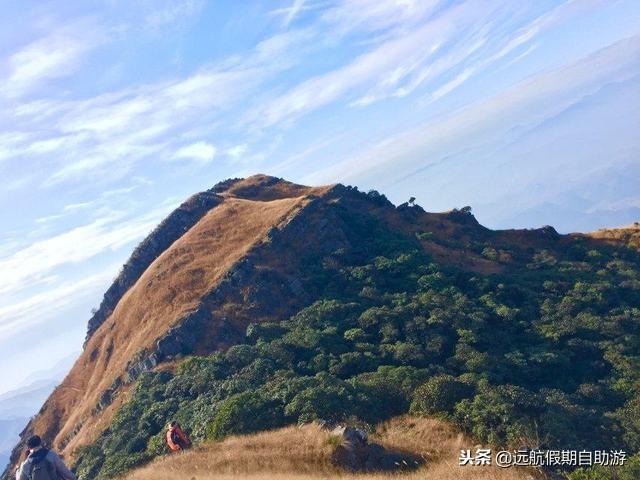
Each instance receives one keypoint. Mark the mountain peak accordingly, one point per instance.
(248, 251)
(265, 188)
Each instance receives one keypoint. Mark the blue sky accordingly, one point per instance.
(113, 111)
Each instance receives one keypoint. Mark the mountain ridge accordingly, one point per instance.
(238, 254)
(100, 388)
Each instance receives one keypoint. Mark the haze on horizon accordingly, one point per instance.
(113, 112)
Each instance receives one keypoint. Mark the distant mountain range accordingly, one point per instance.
(19, 405)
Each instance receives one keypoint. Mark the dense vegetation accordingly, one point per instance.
(543, 354)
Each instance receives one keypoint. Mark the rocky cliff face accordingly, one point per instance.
(245, 251)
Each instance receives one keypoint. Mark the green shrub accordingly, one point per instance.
(629, 471)
(546, 351)
(331, 400)
(90, 461)
(439, 395)
(243, 413)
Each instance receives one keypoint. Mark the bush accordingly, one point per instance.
(331, 400)
(629, 471)
(387, 391)
(356, 335)
(157, 444)
(490, 253)
(90, 461)
(244, 413)
(351, 364)
(500, 415)
(439, 395)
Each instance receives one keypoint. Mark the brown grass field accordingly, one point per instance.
(170, 288)
(304, 453)
(629, 235)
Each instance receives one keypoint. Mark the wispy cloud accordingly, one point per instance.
(237, 151)
(373, 67)
(37, 262)
(348, 16)
(56, 55)
(525, 104)
(21, 315)
(110, 132)
(292, 11)
(201, 152)
(406, 57)
(165, 14)
(453, 84)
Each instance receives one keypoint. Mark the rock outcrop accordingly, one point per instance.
(355, 453)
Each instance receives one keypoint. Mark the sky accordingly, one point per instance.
(114, 111)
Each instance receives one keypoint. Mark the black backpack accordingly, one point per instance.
(41, 468)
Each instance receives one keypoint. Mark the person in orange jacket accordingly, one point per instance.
(176, 438)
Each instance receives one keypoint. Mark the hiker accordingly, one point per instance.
(176, 438)
(42, 464)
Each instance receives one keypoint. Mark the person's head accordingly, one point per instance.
(173, 424)
(34, 442)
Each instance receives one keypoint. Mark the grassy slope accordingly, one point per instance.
(194, 264)
(304, 453)
(629, 236)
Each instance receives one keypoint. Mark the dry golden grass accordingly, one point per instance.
(169, 289)
(265, 188)
(629, 235)
(175, 283)
(304, 453)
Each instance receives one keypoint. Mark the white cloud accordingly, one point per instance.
(42, 306)
(35, 263)
(49, 218)
(201, 152)
(102, 137)
(404, 51)
(77, 206)
(404, 59)
(237, 151)
(490, 120)
(454, 83)
(165, 14)
(292, 12)
(54, 56)
(469, 34)
(521, 37)
(375, 15)
(296, 7)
